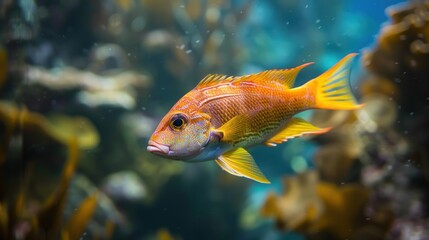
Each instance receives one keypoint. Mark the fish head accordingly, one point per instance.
(181, 135)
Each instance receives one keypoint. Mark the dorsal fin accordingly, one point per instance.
(278, 77)
(213, 79)
(283, 77)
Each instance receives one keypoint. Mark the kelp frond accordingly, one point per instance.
(16, 221)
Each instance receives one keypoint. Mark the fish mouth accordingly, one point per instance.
(157, 148)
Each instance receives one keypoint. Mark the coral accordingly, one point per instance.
(372, 147)
(402, 53)
(107, 70)
(299, 204)
(190, 38)
(125, 185)
(410, 229)
(114, 89)
(70, 78)
(310, 206)
(397, 169)
(360, 162)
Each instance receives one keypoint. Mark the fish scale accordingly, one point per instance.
(280, 104)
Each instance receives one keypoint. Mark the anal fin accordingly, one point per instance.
(240, 163)
(295, 128)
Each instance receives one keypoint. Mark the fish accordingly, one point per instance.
(224, 115)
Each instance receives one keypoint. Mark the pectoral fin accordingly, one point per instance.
(240, 163)
(234, 129)
(295, 128)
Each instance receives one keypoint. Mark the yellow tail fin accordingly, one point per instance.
(332, 87)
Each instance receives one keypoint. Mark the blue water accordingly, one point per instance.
(274, 39)
(157, 40)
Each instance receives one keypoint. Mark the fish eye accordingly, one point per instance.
(177, 122)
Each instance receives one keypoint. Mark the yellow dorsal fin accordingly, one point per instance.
(234, 129)
(295, 128)
(279, 77)
(240, 163)
(213, 79)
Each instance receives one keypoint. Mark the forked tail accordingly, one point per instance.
(333, 89)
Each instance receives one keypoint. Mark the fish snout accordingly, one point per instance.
(158, 148)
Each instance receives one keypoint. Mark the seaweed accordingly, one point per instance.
(17, 219)
(372, 167)
(3, 66)
(397, 69)
(401, 54)
(311, 206)
(54, 129)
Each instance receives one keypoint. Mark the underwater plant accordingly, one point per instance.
(19, 219)
(108, 70)
(397, 65)
(311, 206)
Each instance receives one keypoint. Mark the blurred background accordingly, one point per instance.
(83, 84)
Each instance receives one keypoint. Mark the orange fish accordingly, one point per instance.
(223, 115)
